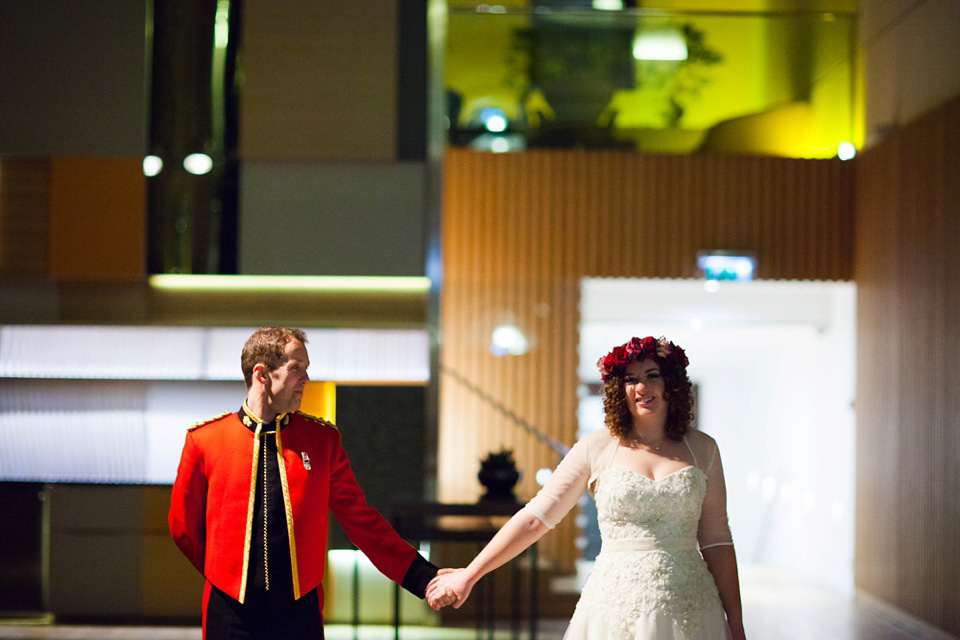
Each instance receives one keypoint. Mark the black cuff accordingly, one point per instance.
(418, 576)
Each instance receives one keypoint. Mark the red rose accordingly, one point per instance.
(634, 347)
(620, 357)
(649, 346)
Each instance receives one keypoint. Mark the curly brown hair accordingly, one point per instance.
(266, 345)
(679, 396)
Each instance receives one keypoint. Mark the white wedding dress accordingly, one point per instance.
(649, 581)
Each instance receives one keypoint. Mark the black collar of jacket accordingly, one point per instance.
(250, 421)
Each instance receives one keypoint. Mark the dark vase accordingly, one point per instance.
(498, 474)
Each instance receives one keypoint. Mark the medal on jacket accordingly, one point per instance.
(306, 460)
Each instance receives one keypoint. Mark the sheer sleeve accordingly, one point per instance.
(566, 485)
(714, 528)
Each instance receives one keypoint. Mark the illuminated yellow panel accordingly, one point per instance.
(320, 399)
(481, 66)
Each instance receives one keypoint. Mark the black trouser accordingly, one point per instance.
(265, 615)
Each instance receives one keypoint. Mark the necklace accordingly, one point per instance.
(635, 442)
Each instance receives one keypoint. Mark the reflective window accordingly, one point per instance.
(567, 74)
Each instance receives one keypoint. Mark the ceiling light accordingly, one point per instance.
(508, 340)
(494, 119)
(221, 25)
(152, 165)
(660, 44)
(543, 475)
(198, 163)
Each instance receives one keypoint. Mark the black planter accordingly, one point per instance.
(498, 474)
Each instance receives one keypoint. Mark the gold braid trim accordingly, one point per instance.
(318, 420)
(203, 423)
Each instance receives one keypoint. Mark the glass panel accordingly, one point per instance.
(521, 77)
(191, 168)
(111, 404)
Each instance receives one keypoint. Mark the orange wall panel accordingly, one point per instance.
(97, 217)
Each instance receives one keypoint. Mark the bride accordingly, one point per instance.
(667, 569)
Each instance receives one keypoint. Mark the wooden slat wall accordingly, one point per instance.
(908, 352)
(24, 215)
(521, 230)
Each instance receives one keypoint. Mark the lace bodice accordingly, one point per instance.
(593, 456)
(649, 568)
(649, 581)
(630, 505)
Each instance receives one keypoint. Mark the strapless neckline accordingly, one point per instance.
(637, 474)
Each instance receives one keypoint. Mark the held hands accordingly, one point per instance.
(450, 586)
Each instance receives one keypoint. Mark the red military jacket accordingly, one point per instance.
(211, 509)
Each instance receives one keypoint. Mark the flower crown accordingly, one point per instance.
(615, 362)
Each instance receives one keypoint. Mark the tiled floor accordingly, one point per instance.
(776, 607)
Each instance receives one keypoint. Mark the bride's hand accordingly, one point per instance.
(449, 583)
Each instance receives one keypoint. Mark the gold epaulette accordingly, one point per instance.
(316, 419)
(209, 420)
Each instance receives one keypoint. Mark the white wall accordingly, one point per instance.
(774, 369)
